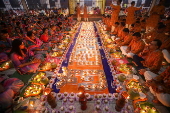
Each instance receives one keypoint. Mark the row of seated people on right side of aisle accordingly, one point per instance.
(148, 58)
(122, 36)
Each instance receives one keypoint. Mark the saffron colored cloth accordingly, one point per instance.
(130, 19)
(115, 13)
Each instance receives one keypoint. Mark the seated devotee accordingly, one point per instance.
(34, 44)
(5, 41)
(39, 25)
(10, 30)
(21, 59)
(143, 25)
(108, 23)
(155, 15)
(9, 87)
(152, 61)
(159, 86)
(115, 30)
(120, 30)
(131, 29)
(156, 34)
(125, 39)
(167, 23)
(18, 33)
(137, 27)
(44, 36)
(135, 47)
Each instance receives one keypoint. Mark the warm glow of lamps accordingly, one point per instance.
(125, 95)
(47, 91)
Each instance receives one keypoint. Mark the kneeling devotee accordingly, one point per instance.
(159, 86)
(135, 47)
(152, 61)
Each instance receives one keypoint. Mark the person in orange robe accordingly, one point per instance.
(125, 39)
(167, 23)
(108, 24)
(135, 47)
(115, 12)
(78, 12)
(130, 19)
(159, 86)
(116, 29)
(156, 34)
(121, 27)
(153, 61)
(117, 38)
(85, 13)
(143, 25)
(154, 17)
(137, 27)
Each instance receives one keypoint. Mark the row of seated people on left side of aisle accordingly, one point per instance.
(34, 37)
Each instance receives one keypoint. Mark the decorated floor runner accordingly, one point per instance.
(85, 64)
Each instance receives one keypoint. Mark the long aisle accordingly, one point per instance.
(83, 65)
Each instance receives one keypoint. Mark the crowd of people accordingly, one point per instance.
(27, 40)
(146, 41)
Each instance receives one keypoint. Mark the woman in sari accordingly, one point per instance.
(21, 59)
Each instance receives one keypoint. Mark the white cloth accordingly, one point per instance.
(166, 55)
(149, 75)
(123, 49)
(164, 98)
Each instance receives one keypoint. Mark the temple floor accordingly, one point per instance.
(85, 62)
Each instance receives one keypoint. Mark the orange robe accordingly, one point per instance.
(154, 61)
(143, 25)
(78, 11)
(167, 23)
(109, 26)
(120, 31)
(85, 12)
(137, 29)
(155, 35)
(130, 19)
(155, 16)
(115, 13)
(115, 32)
(126, 40)
(166, 44)
(136, 46)
(162, 78)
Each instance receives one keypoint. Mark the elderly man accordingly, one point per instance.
(135, 47)
(152, 61)
(159, 86)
